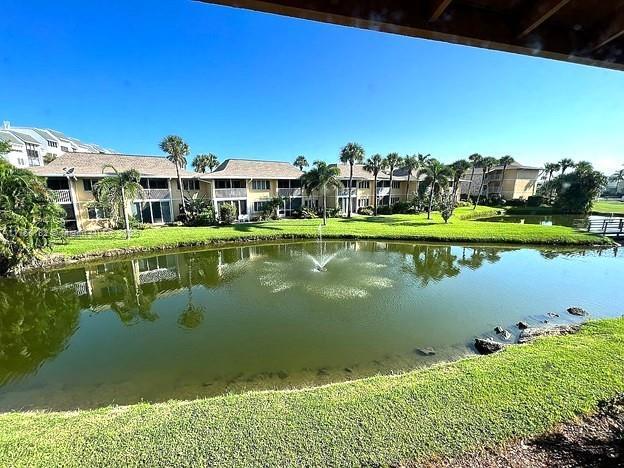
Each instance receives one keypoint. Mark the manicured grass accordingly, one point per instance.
(443, 410)
(413, 227)
(608, 207)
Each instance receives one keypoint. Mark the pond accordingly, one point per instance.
(202, 323)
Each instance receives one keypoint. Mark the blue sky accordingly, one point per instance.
(245, 84)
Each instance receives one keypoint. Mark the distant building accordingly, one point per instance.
(520, 182)
(31, 147)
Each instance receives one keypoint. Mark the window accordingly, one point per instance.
(155, 212)
(259, 206)
(189, 184)
(261, 184)
(87, 184)
(364, 184)
(57, 184)
(96, 213)
(20, 162)
(345, 183)
(362, 202)
(52, 144)
(394, 200)
(64, 148)
(396, 184)
(230, 183)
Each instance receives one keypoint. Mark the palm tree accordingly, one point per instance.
(300, 162)
(459, 168)
(374, 164)
(393, 160)
(410, 164)
(422, 159)
(320, 178)
(550, 169)
(177, 151)
(505, 161)
(617, 177)
(475, 159)
(114, 191)
(205, 161)
(486, 164)
(351, 154)
(437, 177)
(565, 163)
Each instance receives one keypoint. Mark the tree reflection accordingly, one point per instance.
(433, 263)
(193, 315)
(36, 320)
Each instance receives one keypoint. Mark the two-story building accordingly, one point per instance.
(520, 182)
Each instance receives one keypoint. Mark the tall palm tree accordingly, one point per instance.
(177, 151)
(505, 161)
(475, 159)
(486, 165)
(351, 154)
(115, 191)
(459, 168)
(393, 160)
(422, 159)
(617, 177)
(437, 178)
(300, 162)
(201, 162)
(321, 177)
(374, 164)
(565, 164)
(410, 164)
(550, 169)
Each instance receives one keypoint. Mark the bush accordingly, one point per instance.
(516, 202)
(305, 213)
(403, 208)
(463, 204)
(366, 210)
(228, 213)
(205, 218)
(535, 200)
(384, 210)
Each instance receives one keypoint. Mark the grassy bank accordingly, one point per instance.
(412, 227)
(443, 410)
(608, 207)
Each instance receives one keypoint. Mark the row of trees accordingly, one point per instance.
(438, 176)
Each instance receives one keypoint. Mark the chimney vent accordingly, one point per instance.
(6, 124)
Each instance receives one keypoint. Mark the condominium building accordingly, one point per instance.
(520, 182)
(32, 146)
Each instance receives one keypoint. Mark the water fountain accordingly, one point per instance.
(320, 264)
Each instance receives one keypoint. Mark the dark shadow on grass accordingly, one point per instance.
(250, 227)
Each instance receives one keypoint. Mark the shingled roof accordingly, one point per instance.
(254, 169)
(91, 164)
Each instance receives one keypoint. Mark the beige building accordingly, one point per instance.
(520, 182)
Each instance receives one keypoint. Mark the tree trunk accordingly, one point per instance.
(375, 196)
(470, 183)
(181, 188)
(480, 190)
(125, 213)
(324, 206)
(431, 199)
(350, 183)
(390, 192)
(502, 181)
(407, 188)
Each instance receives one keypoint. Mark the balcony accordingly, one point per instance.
(344, 192)
(383, 191)
(61, 196)
(231, 193)
(289, 192)
(156, 194)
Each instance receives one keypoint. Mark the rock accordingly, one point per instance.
(552, 314)
(505, 335)
(522, 325)
(323, 371)
(499, 330)
(348, 369)
(577, 311)
(425, 351)
(487, 345)
(530, 334)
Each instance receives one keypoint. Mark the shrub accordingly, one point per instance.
(516, 202)
(535, 200)
(403, 207)
(366, 210)
(384, 210)
(205, 218)
(463, 204)
(228, 213)
(305, 213)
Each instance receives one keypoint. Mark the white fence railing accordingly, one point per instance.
(61, 196)
(230, 193)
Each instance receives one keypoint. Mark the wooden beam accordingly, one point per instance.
(540, 13)
(439, 7)
(613, 30)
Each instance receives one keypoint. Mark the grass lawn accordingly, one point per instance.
(443, 410)
(608, 207)
(414, 227)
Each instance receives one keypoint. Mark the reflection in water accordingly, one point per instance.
(261, 316)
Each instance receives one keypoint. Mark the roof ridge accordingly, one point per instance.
(256, 160)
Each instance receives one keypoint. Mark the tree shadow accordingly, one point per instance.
(249, 227)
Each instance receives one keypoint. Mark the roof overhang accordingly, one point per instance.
(584, 32)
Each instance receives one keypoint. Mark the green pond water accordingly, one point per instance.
(545, 220)
(202, 323)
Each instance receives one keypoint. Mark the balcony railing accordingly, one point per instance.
(156, 194)
(61, 196)
(383, 191)
(289, 192)
(230, 193)
(345, 192)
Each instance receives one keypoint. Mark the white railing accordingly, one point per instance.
(383, 191)
(61, 196)
(230, 193)
(345, 192)
(156, 194)
(289, 192)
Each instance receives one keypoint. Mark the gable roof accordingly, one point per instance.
(254, 169)
(24, 137)
(45, 134)
(91, 164)
(8, 136)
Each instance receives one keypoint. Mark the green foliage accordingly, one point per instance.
(177, 150)
(48, 158)
(576, 191)
(366, 210)
(300, 162)
(113, 192)
(199, 211)
(201, 162)
(271, 207)
(535, 200)
(437, 179)
(447, 207)
(5, 147)
(228, 213)
(403, 207)
(321, 178)
(29, 217)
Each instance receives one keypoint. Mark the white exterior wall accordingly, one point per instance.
(17, 156)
